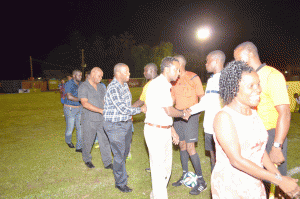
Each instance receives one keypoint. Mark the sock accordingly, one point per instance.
(196, 163)
(184, 157)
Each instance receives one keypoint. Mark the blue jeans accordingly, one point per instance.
(120, 135)
(73, 117)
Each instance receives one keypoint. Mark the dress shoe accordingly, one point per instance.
(109, 167)
(89, 165)
(71, 145)
(124, 189)
(79, 150)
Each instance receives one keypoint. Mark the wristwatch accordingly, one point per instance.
(277, 145)
(278, 176)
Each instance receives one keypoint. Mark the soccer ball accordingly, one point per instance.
(190, 179)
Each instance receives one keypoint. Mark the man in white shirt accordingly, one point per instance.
(158, 128)
(214, 64)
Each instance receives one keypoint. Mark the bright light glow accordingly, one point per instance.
(203, 33)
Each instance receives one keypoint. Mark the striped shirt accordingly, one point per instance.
(117, 106)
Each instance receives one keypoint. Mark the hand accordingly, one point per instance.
(276, 156)
(290, 187)
(144, 108)
(175, 137)
(187, 114)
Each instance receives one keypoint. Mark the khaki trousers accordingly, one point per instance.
(159, 142)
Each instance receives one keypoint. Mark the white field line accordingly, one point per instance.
(293, 171)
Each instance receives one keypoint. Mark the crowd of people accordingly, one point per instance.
(246, 122)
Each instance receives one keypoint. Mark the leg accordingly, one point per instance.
(210, 146)
(116, 132)
(89, 133)
(180, 127)
(78, 128)
(70, 121)
(104, 145)
(157, 142)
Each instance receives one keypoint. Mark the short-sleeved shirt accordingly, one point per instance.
(72, 88)
(187, 90)
(143, 95)
(274, 92)
(212, 102)
(158, 96)
(95, 97)
(117, 106)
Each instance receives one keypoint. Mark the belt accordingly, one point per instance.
(72, 106)
(212, 91)
(159, 126)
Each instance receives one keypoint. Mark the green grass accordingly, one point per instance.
(36, 162)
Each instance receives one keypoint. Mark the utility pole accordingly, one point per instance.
(31, 68)
(83, 65)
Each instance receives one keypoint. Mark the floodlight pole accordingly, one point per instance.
(31, 67)
(83, 65)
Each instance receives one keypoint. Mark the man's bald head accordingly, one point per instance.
(217, 55)
(96, 70)
(118, 67)
(245, 51)
(96, 75)
(150, 71)
(181, 59)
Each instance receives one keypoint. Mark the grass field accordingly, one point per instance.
(36, 162)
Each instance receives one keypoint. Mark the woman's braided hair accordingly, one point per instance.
(230, 78)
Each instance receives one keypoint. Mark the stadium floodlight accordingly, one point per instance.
(203, 33)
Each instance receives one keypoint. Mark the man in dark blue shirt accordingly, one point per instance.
(72, 110)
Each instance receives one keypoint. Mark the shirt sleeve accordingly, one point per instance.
(143, 95)
(199, 87)
(82, 92)
(120, 104)
(68, 88)
(277, 89)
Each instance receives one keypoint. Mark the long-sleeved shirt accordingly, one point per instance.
(117, 106)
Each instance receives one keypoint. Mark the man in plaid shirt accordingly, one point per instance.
(118, 125)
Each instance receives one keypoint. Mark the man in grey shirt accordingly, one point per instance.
(91, 94)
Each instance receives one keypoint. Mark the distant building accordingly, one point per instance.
(54, 74)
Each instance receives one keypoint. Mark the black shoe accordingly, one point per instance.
(79, 150)
(179, 182)
(71, 145)
(148, 170)
(201, 186)
(109, 167)
(89, 165)
(124, 189)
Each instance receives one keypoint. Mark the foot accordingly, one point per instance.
(124, 189)
(201, 186)
(109, 167)
(89, 165)
(71, 145)
(148, 170)
(179, 182)
(79, 150)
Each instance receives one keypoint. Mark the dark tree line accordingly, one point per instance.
(105, 53)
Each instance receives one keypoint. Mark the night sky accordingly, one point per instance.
(38, 28)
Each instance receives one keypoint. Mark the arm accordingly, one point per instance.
(281, 131)
(72, 98)
(227, 137)
(175, 136)
(173, 112)
(87, 105)
(138, 103)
